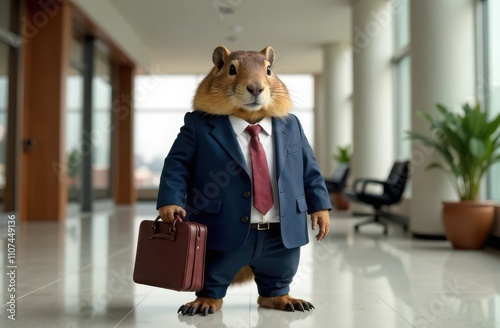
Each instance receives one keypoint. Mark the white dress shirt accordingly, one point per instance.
(266, 139)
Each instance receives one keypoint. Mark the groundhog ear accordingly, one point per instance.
(220, 56)
(269, 53)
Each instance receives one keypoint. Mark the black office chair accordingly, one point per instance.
(339, 179)
(393, 189)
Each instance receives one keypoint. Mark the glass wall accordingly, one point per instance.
(100, 132)
(301, 90)
(161, 103)
(402, 110)
(101, 126)
(402, 78)
(492, 88)
(4, 100)
(10, 43)
(74, 112)
(5, 9)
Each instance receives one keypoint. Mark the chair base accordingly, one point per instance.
(386, 215)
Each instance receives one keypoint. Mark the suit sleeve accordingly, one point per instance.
(178, 165)
(317, 196)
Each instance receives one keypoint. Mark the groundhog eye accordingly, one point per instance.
(232, 70)
(268, 70)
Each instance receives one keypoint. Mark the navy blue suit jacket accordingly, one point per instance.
(205, 173)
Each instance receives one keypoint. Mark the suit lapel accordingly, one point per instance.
(224, 134)
(281, 140)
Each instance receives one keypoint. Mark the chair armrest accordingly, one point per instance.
(366, 182)
(356, 183)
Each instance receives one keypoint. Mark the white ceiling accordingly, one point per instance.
(181, 35)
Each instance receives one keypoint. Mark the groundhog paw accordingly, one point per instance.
(201, 305)
(285, 303)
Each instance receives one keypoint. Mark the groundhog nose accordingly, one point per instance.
(255, 89)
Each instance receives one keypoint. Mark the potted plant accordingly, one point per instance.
(469, 144)
(74, 167)
(343, 156)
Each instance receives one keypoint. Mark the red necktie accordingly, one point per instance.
(262, 189)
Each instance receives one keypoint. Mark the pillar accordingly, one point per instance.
(337, 77)
(442, 55)
(124, 191)
(47, 39)
(319, 124)
(372, 47)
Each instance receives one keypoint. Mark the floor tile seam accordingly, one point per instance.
(132, 310)
(66, 275)
(395, 311)
(470, 280)
(36, 290)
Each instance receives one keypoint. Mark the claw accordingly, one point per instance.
(186, 309)
(299, 307)
(306, 306)
(289, 307)
(204, 306)
(310, 305)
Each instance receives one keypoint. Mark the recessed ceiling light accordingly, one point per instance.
(226, 10)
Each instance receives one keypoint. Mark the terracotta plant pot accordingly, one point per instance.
(340, 202)
(468, 223)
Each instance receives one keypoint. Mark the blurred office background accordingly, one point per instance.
(92, 93)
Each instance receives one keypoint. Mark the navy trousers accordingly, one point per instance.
(273, 264)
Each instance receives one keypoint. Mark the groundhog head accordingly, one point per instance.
(242, 83)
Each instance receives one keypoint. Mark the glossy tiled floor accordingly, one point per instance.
(78, 274)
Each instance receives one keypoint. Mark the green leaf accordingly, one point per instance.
(477, 147)
(493, 126)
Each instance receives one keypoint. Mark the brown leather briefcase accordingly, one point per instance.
(171, 255)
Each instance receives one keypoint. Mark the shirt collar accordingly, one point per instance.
(239, 124)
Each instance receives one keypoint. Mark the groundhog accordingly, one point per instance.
(242, 166)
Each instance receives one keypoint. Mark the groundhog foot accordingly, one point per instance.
(285, 303)
(201, 305)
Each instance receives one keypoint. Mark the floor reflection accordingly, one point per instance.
(78, 273)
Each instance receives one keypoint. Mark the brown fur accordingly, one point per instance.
(221, 93)
(243, 276)
(285, 303)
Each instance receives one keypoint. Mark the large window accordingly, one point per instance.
(78, 132)
(74, 112)
(4, 95)
(402, 78)
(5, 9)
(489, 83)
(162, 101)
(10, 43)
(101, 126)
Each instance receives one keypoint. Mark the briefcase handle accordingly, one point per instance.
(171, 231)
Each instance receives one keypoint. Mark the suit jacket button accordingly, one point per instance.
(246, 194)
(244, 219)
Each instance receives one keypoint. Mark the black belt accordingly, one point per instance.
(265, 226)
